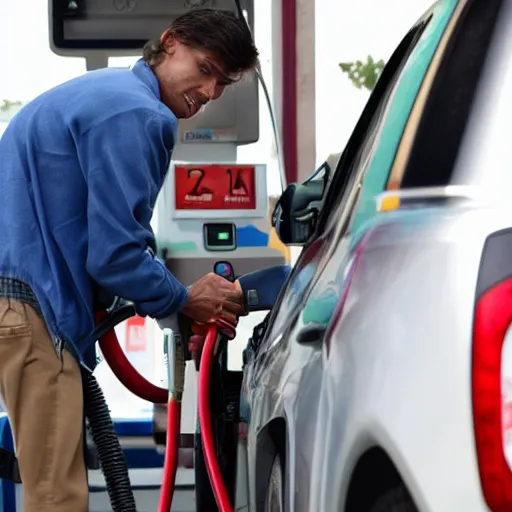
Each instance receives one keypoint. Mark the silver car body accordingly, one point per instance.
(390, 286)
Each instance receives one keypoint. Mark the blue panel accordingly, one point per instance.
(250, 236)
(7, 489)
(139, 457)
(134, 427)
(143, 458)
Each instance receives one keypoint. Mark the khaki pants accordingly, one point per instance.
(42, 394)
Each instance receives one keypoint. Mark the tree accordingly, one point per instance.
(363, 74)
(8, 105)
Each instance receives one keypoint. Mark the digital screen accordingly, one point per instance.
(220, 237)
(215, 187)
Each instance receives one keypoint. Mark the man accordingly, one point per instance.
(81, 168)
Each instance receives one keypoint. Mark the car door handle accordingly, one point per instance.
(310, 334)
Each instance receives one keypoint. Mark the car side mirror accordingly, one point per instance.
(296, 212)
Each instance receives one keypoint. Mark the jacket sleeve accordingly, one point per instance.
(124, 159)
(262, 287)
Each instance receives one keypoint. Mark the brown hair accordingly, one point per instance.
(222, 33)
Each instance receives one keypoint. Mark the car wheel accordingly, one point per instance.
(396, 499)
(274, 501)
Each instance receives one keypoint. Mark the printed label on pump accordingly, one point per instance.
(136, 334)
(210, 135)
(215, 187)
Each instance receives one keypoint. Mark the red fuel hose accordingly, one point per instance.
(171, 455)
(205, 422)
(139, 386)
(129, 377)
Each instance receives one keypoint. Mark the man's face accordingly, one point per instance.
(189, 78)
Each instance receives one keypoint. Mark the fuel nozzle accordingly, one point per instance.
(181, 327)
(175, 363)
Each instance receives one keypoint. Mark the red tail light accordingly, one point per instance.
(492, 374)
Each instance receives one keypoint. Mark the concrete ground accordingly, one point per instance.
(147, 499)
(146, 484)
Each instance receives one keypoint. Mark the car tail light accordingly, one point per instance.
(492, 372)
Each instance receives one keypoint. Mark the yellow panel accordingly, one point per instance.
(389, 203)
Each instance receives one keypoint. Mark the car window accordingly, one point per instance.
(436, 134)
(357, 152)
(364, 169)
(365, 158)
(359, 179)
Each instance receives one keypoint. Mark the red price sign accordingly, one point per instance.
(215, 187)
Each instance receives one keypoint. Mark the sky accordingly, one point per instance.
(347, 30)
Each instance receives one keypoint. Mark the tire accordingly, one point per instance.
(396, 499)
(274, 501)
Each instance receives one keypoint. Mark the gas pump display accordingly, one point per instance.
(215, 187)
(220, 237)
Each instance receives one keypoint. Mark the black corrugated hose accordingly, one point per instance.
(110, 454)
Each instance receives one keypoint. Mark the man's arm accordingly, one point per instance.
(261, 288)
(124, 160)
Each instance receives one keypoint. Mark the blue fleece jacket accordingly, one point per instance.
(262, 287)
(81, 167)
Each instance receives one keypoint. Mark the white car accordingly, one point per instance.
(383, 379)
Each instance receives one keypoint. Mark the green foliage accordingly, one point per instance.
(363, 74)
(7, 105)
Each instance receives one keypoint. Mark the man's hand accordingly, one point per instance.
(213, 297)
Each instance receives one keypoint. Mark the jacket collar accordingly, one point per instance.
(142, 70)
